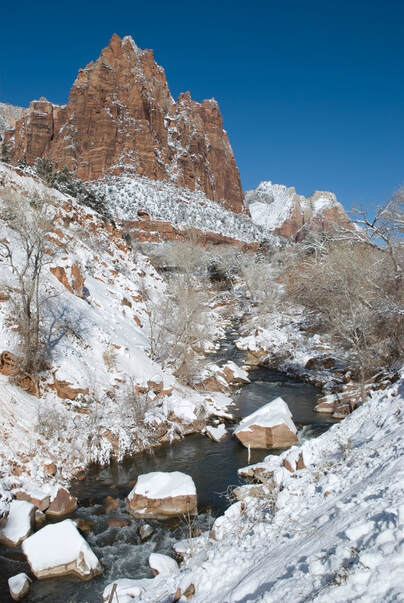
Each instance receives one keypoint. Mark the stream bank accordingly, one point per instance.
(113, 534)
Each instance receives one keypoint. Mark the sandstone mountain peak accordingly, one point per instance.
(121, 117)
(285, 212)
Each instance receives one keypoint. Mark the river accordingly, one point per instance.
(213, 467)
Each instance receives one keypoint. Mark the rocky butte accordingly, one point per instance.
(121, 117)
(283, 211)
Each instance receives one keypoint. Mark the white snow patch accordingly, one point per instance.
(274, 413)
(163, 564)
(19, 522)
(59, 544)
(159, 484)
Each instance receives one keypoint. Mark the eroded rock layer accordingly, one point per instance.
(120, 116)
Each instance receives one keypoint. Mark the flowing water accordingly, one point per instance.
(213, 467)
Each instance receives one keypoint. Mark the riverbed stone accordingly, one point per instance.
(40, 519)
(111, 504)
(271, 426)
(19, 586)
(117, 522)
(161, 495)
(35, 496)
(60, 550)
(63, 504)
(145, 532)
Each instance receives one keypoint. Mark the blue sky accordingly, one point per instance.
(312, 93)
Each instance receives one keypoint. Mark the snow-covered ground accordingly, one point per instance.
(333, 531)
(101, 346)
(124, 195)
(279, 338)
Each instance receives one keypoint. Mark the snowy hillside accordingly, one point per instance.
(99, 341)
(124, 195)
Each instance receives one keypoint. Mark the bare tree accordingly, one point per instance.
(385, 230)
(351, 288)
(27, 250)
(179, 325)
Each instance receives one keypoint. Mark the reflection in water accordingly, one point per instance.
(213, 467)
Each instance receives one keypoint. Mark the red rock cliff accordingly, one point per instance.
(120, 115)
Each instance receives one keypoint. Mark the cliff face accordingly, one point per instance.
(283, 211)
(120, 117)
(9, 114)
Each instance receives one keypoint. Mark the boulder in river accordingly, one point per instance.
(60, 550)
(160, 495)
(217, 434)
(271, 426)
(63, 504)
(145, 532)
(19, 586)
(35, 496)
(19, 523)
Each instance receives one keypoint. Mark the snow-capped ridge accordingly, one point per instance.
(281, 209)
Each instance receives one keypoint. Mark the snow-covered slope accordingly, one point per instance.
(100, 345)
(333, 531)
(124, 195)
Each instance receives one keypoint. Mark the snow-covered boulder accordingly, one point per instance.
(216, 433)
(36, 496)
(19, 523)
(19, 586)
(60, 550)
(235, 374)
(271, 426)
(160, 495)
(62, 504)
(162, 564)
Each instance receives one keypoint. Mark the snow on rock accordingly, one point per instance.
(271, 426)
(217, 434)
(231, 517)
(19, 523)
(280, 209)
(145, 531)
(62, 504)
(160, 495)
(271, 204)
(36, 496)
(19, 586)
(60, 550)
(162, 564)
(159, 484)
(234, 373)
